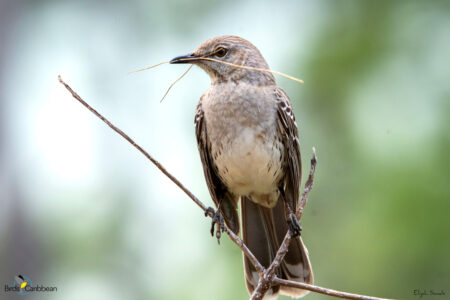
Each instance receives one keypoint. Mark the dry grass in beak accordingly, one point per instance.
(216, 60)
(151, 67)
(246, 67)
(179, 78)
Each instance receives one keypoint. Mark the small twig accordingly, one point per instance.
(267, 275)
(321, 290)
(308, 185)
(240, 243)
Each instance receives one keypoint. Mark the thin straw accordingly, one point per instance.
(245, 67)
(227, 63)
(151, 67)
(188, 69)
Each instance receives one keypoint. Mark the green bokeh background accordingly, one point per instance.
(84, 211)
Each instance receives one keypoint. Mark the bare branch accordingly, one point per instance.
(267, 276)
(321, 290)
(132, 142)
(232, 235)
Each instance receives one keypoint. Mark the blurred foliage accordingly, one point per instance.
(101, 223)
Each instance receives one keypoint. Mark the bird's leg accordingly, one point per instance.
(217, 222)
(294, 226)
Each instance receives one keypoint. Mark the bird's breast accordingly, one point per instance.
(244, 144)
(249, 164)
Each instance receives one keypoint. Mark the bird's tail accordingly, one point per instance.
(263, 230)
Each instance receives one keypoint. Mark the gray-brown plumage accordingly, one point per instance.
(248, 142)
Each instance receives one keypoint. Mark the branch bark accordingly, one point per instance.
(267, 276)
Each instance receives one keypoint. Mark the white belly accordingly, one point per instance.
(250, 164)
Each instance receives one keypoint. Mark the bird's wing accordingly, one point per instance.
(222, 198)
(287, 129)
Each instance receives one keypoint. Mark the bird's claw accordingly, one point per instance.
(217, 222)
(294, 226)
(209, 211)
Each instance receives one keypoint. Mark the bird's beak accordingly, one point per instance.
(185, 59)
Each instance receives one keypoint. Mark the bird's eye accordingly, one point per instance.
(221, 52)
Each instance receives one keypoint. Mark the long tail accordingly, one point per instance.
(263, 230)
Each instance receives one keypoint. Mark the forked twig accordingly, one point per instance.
(264, 273)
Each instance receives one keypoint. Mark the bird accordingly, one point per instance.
(247, 137)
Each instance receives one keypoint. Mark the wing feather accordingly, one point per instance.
(287, 129)
(222, 198)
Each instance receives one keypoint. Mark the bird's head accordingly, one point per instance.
(216, 55)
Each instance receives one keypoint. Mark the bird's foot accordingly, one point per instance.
(217, 222)
(209, 211)
(294, 226)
